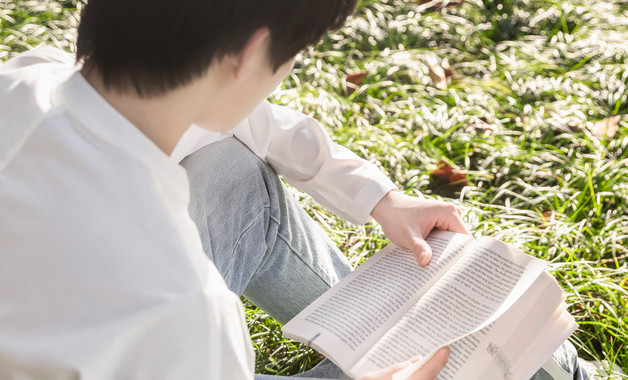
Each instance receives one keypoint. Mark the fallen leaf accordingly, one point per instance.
(438, 76)
(546, 218)
(481, 126)
(458, 178)
(447, 173)
(352, 82)
(443, 170)
(606, 128)
(573, 127)
(449, 71)
(356, 78)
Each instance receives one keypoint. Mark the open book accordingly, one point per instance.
(497, 309)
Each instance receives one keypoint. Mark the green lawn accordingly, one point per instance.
(526, 121)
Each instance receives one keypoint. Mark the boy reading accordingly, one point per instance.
(104, 273)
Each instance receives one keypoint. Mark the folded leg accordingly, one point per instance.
(258, 236)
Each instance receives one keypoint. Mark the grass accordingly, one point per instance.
(532, 79)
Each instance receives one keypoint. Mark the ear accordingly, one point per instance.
(254, 52)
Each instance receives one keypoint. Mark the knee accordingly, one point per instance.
(225, 160)
(226, 174)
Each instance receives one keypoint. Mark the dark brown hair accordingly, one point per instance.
(153, 46)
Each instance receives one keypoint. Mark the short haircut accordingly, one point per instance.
(154, 46)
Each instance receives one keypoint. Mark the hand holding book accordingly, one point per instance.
(501, 314)
(428, 370)
(407, 221)
(496, 308)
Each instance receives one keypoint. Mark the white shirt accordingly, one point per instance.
(102, 273)
(299, 150)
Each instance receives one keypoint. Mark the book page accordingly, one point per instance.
(498, 350)
(521, 359)
(483, 283)
(349, 318)
(546, 343)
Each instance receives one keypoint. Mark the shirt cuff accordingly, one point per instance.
(367, 198)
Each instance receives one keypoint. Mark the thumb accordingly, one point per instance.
(433, 366)
(422, 251)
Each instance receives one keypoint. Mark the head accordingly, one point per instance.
(155, 46)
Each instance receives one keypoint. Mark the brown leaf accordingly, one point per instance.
(443, 170)
(606, 128)
(458, 178)
(438, 76)
(450, 175)
(356, 78)
(449, 71)
(546, 217)
(352, 82)
(573, 127)
(482, 126)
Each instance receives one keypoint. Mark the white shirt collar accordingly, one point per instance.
(99, 117)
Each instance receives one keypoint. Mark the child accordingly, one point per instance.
(103, 271)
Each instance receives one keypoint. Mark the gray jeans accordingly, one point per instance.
(265, 245)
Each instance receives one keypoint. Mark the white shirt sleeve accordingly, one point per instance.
(300, 150)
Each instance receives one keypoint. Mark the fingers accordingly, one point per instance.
(397, 367)
(428, 371)
(452, 221)
(386, 373)
(422, 251)
(433, 366)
